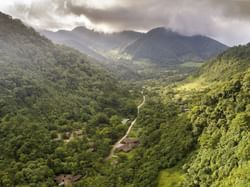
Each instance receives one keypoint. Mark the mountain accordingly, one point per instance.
(164, 46)
(59, 114)
(159, 45)
(95, 44)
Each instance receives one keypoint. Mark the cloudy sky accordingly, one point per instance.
(225, 20)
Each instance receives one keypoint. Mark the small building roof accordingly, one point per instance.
(130, 141)
(125, 148)
(125, 121)
(66, 179)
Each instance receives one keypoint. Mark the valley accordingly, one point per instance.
(127, 109)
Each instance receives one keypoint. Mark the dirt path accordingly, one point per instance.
(128, 131)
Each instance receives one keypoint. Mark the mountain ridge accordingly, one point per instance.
(160, 45)
(91, 42)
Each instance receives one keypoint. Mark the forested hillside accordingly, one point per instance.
(221, 122)
(59, 114)
(228, 64)
(195, 137)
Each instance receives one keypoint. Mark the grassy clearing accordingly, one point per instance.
(197, 84)
(170, 177)
(191, 64)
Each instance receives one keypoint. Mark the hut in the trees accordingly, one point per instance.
(128, 144)
(66, 179)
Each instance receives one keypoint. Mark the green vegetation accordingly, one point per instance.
(170, 178)
(61, 114)
(227, 65)
(48, 95)
(165, 140)
(203, 132)
(221, 123)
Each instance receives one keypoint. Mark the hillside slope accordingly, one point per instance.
(195, 137)
(221, 122)
(227, 65)
(59, 114)
(167, 47)
(219, 116)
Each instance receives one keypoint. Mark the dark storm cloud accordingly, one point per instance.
(145, 13)
(132, 16)
(220, 19)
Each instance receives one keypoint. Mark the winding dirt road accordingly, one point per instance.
(117, 144)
